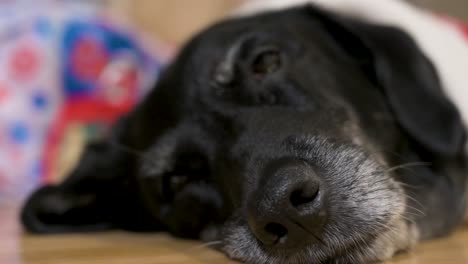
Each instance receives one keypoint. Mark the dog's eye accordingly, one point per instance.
(177, 182)
(266, 62)
(173, 184)
(190, 168)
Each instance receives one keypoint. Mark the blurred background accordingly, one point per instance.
(176, 20)
(68, 69)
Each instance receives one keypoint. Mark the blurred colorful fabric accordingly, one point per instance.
(66, 67)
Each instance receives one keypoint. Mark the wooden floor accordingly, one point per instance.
(120, 247)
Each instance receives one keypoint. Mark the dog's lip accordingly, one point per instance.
(328, 251)
(279, 256)
(281, 251)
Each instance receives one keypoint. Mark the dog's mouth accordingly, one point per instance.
(379, 245)
(361, 220)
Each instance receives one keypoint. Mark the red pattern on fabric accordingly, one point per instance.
(17, 155)
(78, 111)
(89, 58)
(24, 63)
(4, 93)
(120, 88)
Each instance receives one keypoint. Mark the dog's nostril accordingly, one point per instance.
(306, 194)
(278, 230)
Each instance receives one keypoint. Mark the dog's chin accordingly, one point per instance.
(366, 222)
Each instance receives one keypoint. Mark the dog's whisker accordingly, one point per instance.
(406, 218)
(420, 212)
(128, 149)
(198, 247)
(408, 165)
(407, 185)
(387, 152)
(206, 245)
(415, 201)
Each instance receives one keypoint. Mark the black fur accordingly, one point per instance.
(349, 99)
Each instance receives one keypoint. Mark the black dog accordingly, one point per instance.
(289, 137)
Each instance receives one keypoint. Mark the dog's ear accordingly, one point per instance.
(77, 204)
(96, 196)
(406, 76)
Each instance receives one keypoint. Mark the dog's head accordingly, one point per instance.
(279, 134)
(286, 125)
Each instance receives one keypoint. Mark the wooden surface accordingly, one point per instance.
(121, 247)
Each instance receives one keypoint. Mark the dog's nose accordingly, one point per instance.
(287, 210)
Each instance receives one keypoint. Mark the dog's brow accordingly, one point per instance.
(224, 74)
